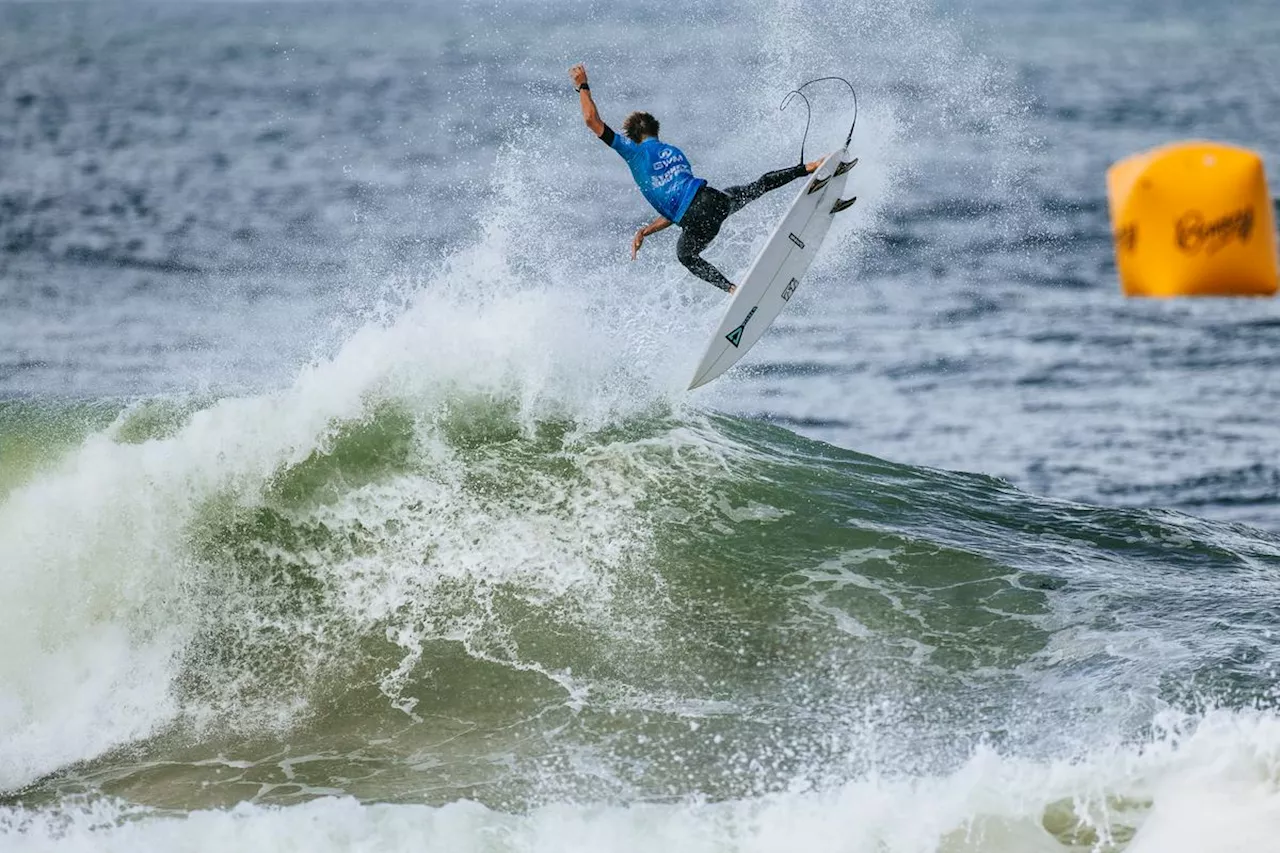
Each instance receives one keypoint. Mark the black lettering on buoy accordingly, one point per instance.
(1126, 237)
(1193, 234)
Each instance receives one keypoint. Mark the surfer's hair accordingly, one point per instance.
(639, 125)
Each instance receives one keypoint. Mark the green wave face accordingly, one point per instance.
(434, 602)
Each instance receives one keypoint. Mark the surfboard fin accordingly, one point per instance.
(843, 204)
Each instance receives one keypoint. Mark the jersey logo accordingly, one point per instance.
(796, 240)
(735, 337)
(667, 158)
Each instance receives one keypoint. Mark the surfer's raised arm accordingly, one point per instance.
(667, 182)
(590, 114)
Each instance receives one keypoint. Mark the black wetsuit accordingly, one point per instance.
(709, 207)
(708, 211)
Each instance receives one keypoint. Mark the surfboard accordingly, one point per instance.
(775, 274)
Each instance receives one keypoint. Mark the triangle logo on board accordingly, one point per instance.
(735, 337)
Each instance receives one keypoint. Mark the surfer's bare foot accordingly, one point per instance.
(812, 167)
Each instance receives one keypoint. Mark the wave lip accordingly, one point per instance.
(114, 553)
(402, 543)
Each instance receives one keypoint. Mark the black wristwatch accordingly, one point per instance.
(586, 86)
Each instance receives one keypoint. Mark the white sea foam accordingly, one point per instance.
(95, 564)
(97, 570)
(1207, 786)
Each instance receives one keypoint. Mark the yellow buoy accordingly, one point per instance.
(1193, 219)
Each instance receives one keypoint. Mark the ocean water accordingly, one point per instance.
(350, 497)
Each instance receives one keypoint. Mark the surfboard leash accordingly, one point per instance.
(790, 96)
(808, 114)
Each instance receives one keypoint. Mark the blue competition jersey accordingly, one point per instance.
(662, 172)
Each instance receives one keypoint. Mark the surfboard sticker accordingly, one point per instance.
(775, 273)
(735, 336)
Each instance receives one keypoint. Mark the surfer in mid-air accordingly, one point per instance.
(667, 182)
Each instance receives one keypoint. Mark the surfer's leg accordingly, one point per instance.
(743, 195)
(689, 250)
(700, 225)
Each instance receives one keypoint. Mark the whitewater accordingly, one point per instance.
(342, 508)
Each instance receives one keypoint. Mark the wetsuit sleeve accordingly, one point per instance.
(625, 147)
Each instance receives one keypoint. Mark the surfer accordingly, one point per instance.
(667, 182)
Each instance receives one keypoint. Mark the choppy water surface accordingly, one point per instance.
(349, 494)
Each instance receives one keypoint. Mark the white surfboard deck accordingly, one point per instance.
(777, 270)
